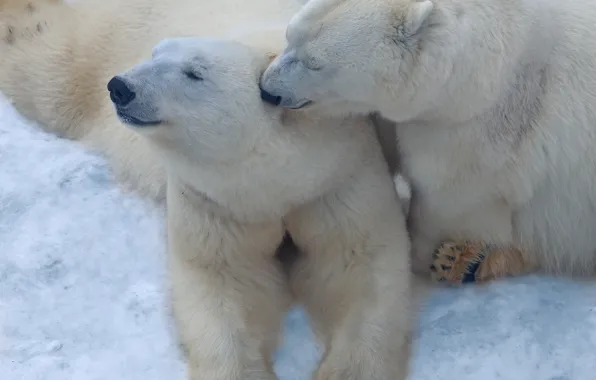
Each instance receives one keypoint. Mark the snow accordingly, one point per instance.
(82, 289)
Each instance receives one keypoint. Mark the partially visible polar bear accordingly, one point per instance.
(495, 105)
(47, 48)
(240, 173)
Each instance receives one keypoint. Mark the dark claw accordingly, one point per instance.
(9, 38)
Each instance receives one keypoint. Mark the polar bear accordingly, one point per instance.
(240, 174)
(494, 105)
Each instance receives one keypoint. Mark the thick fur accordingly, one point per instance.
(239, 174)
(49, 48)
(494, 102)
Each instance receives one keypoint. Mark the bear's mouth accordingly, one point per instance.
(302, 104)
(131, 120)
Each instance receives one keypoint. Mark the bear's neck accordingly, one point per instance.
(300, 161)
(200, 228)
(484, 47)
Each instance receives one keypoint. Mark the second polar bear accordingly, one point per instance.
(240, 173)
(495, 105)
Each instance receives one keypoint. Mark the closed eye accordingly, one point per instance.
(192, 76)
(312, 65)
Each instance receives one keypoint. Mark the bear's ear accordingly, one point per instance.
(416, 15)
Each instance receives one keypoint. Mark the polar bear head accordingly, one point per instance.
(359, 55)
(198, 96)
(197, 103)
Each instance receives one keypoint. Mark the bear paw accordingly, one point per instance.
(458, 262)
(467, 261)
(17, 22)
(12, 33)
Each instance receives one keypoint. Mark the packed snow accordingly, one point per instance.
(83, 289)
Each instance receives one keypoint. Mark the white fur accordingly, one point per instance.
(495, 105)
(404, 192)
(251, 171)
(239, 173)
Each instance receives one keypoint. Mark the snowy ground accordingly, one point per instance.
(82, 289)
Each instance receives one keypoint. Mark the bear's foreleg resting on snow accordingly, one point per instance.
(466, 261)
(353, 277)
(473, 247)
(229, 293)
(432, 223)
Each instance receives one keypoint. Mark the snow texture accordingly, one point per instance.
(83, 289)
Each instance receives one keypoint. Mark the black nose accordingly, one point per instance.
(120, 92)
(270, 98)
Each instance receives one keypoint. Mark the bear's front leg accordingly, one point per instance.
(228, 292)
(466, 261)
(432, 224)
(353, 276)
